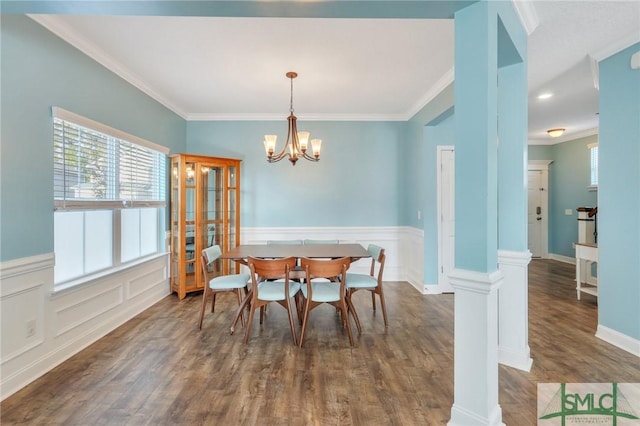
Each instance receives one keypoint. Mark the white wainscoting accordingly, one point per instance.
(403, 246)
(41, 329)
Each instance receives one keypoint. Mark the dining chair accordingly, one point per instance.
(265, 290)
(371, 282)
(309, 241)
(331, 289)
(215, 284)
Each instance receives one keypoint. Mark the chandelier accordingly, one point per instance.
(297, 143)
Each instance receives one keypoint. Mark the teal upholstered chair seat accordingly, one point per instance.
(274, 290)
(323, 292)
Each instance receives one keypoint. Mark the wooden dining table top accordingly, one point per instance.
(242, 252)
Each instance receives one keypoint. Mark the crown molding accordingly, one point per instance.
(619, 44)
(444, 82)
(526, 11)
(301, 117)
(595, 71)
(54, 25)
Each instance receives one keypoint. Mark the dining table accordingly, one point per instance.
(242, 252)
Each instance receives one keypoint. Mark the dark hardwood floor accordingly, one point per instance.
(158, 369)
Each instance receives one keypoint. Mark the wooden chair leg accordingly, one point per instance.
(304, 323)
(239, 293)
(246, 334)
(205, 293)
(373, 300)
(343, 309)
(352, 309)
(291, 324)
(213, 302)
(384, 308)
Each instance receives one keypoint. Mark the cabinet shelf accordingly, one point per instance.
(205, 211)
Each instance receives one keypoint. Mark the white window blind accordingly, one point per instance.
(593, 149)
(93, 167)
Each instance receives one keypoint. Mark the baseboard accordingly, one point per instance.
(422, 289)
(618, 339)
(561, 258)
(516, 359)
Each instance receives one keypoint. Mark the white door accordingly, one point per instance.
(535, 218)
(446, 224)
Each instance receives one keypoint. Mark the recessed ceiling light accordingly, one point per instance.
(545, 95)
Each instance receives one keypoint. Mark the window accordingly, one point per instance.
(109, 194)
(593, 149)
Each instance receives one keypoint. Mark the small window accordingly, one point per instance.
(593, 149)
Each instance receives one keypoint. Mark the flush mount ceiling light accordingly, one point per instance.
(296, 144)
(547, 95)
(554, 133)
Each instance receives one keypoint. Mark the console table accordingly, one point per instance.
(585, 251)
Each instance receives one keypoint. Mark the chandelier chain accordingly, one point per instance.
(291, 99)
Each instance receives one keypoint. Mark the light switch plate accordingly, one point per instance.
(568, 212)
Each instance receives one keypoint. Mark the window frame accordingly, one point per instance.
(593, 165)
(113, 201)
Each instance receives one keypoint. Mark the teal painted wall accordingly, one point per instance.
(40, 71)
(418, 162)
(569, 177)
(357, 181)
(540, 152)
(619, 191)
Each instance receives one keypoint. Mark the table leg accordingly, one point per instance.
(245, 302)
(578, 277)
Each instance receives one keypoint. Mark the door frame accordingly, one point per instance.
(443, 283)
(543, 166)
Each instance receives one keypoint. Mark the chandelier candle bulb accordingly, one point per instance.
(303, 138)
(316, 144)
(270, 144)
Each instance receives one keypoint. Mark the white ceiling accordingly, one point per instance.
(349, 69)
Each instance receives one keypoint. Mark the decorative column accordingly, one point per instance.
(513, 253)
(475, 277)
(482, 44)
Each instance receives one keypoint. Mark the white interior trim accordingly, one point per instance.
(618, 339)
(63, 114)
(543, 166)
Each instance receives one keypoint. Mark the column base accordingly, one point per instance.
(513, 336)
(462, 417)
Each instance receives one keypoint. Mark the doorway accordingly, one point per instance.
(537, 210)
(446, 216)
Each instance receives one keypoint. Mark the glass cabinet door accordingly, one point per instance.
(191, 260)
(175, 245)
(211, 209)
(204, 212)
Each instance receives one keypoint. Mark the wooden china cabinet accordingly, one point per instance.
(205, 210)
